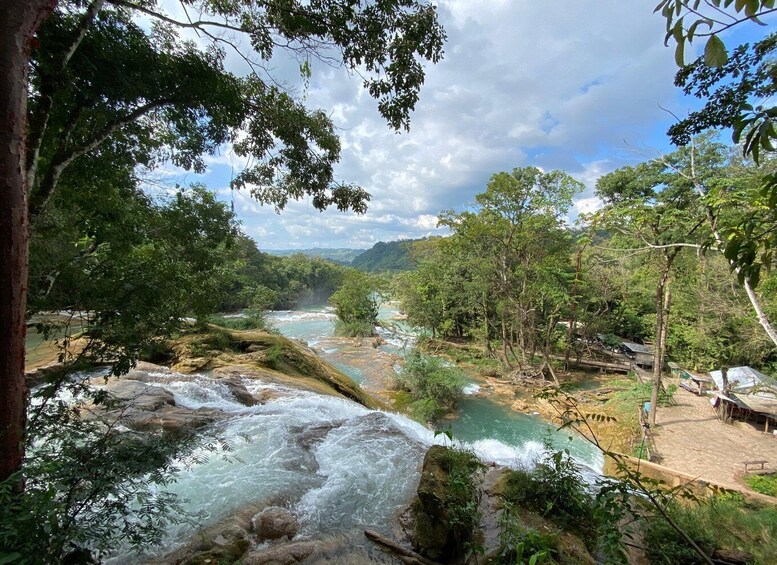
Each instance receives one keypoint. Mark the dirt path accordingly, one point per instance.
(690, 438)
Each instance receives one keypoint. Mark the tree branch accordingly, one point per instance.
(40, 196)
(40, 119)
(197, 24)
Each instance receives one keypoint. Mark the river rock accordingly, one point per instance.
(225, 542)
(188, 365)
(274, 523)
(238, 390)
(142, 367)
(172, 418)
(145, 406)
(142, 396)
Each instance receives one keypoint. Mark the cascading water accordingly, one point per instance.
(496, 432)
(337, 466)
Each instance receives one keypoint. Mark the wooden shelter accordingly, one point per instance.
(746, 407)
(746, 394)
(641, 355)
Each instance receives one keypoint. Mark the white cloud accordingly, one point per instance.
(551, 84)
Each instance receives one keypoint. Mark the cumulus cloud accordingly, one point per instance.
(560, 85)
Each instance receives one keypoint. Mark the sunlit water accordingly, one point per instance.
(335, 464)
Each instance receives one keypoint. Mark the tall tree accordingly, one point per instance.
(658, 210)
(519, 228)
(19, 22)
(175, 101)
(737, 89)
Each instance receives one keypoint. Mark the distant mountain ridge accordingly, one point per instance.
(386, 256)
(341, 255)
(383, 256)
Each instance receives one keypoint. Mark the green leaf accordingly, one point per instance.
(739, 127)
(679, 54)
(715, 54)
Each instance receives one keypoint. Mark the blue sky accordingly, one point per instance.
(576, 85)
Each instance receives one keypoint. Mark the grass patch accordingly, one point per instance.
(470, 355)
(628, 395)
(633, 393)
(251, 320)
(765, 484)
(354, 328)
(726, 522)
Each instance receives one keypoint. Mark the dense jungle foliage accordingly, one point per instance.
(513, 270)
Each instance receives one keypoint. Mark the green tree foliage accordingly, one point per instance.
(176, 101)
(441, 294)
(737, 89)
(505, 273)
(133, 268)
(659, 217)
(339, 255)
(270, 282)
(356, 305)
(729, 83)
(434, 386)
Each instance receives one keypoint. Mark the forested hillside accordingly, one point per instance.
(391, 256)
(343, 256)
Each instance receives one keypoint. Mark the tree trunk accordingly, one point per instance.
(662, 314)
(486, 328)
(19, 20)
(573, 308)
(656, 355)
(665, 320)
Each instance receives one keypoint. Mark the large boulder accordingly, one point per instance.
(142, 396)
(145, 406)
(274, 523)
(443, 514)
(266, 356)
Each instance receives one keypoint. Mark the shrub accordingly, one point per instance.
(555, 489)
(765, 484)
(522, 545)
(355, 305)
(251, 320)
(355, 328)
(434, 386)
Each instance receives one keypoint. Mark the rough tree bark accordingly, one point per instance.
(19, 19)
(662, 324)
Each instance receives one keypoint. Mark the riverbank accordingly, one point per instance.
(689, 438)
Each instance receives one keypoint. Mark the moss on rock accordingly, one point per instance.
(266, 356)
